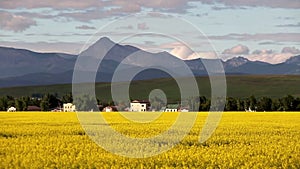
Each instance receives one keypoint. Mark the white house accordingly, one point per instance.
(172, 108)
(69, 107)
(108, 109)
(11, 109)
(139, 106)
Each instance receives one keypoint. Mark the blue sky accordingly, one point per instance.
(259, 30)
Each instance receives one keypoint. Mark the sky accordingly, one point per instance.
(263, 30)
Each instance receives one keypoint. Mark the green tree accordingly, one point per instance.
(86, 103)
(288, 103)
(19, 104)
(240, 105)
(68, 98)
(265, 104)
(231, 104)
(3, 104)
(297, 104)
(253, 103)
(45, 103)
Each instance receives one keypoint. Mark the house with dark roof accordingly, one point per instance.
(172, 108)
(139, 106)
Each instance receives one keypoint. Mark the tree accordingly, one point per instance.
(204, 104)
(253, 103)
(240, 105)
(3, 104)
(19, 104)
(265, 104)
(288, 103)
(68, 98)
(231, 104)
(86, 103)
(45, 103)
(297, 104)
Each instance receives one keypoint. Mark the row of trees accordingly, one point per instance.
(45, 102)
(51, 101)
(287, 103)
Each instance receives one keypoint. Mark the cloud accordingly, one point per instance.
(121, 5)
(85, 27)
(203, 55)
(128, 27)
(273, 58)
(264, 55)
(181, 51)
(169, 5)
(61, 47)
(270, 43)
(88, 10)
(289, 25)
(291, 50)
(54, 4)
(142, 26)
(260, 52)
(16, 23)
(279, 37)
(237, 50)
(293, 4)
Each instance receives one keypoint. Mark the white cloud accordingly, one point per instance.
(15, 23)
(291, 50)
(181, 51)
(203, 55)
(142, 26)
(273, 58)
(264, 55)
(85, 27)
(237, 50)
(61, 47)
(276, 37)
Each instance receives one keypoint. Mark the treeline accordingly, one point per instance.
(287, 103)
(49, 102)
(46, 102)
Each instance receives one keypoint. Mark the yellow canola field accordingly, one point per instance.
(242, 140)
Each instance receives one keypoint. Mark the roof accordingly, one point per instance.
(140, 101)
(172, 106)
(33, 108)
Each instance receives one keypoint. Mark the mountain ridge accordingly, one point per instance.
(21, 67)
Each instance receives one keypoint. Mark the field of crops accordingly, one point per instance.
(242, 140)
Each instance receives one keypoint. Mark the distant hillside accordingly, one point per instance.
(20, 67)
(238, 86)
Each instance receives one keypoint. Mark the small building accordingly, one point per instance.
(11, 109)
(249, 110)
(107, 109)
(184, 109)
(139, 106)
(33, 108)
(69, 107)
(172, 108)
(110, 109)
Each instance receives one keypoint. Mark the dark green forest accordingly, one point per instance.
(50, 102)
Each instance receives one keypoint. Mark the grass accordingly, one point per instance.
(242, 140)
(274, 86)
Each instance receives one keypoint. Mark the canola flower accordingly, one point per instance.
(242, 140)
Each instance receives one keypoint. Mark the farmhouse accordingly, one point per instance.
(139, 106)
(110, 109)
(69, 107)
(11, 109)
(33, 108)
(172, 108)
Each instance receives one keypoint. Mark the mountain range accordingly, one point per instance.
(20, 67)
